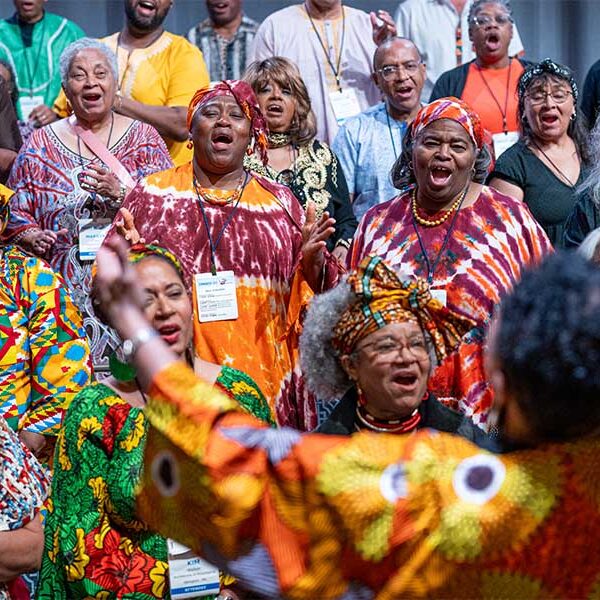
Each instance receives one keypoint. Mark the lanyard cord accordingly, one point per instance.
(556, 168)
(214, 245)
(335, 70)
(432, 267)
(31, 75)
(402, 130)
(489, 89)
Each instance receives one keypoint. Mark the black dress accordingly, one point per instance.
(549, 199)
(316, 175)
(434, 415)
(584, 217)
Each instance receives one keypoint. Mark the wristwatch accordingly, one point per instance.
(131, 345)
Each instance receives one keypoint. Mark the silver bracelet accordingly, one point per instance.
(133, 344)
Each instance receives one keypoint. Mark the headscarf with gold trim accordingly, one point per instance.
(245, 97)
(138, 252)
(382, 298)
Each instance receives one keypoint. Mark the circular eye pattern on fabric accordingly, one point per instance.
(393, 484)
(478, 479)
(165, 473)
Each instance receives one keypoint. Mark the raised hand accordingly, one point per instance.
(315, 234)
(126, 228)
(383, 25)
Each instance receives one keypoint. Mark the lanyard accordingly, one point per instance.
(335, 70)
(432, 267)
(31, 75)
(489, 89)
(214, 245)
(402, 130)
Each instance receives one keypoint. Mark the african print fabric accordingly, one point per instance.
(95, 546)
(492, 241)
(45, 179)
(261, 244)
(44, 354)
(369, 516)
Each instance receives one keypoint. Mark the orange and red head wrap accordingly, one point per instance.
(383, 299)
(454, 109)
(245, 97)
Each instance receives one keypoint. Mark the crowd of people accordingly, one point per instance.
(294, 309)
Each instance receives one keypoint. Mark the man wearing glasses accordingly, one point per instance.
(369, 144)
(489, 82)
(449, 47)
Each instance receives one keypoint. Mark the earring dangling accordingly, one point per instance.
(189, 145)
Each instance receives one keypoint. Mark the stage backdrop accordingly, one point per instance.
(566, 30)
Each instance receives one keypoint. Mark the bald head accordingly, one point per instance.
(393, 44)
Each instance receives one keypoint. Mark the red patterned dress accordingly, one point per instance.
(261, 244)
(490, 244)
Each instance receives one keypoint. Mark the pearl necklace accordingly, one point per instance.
(425, 222)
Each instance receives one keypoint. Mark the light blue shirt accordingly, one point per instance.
(367, 154)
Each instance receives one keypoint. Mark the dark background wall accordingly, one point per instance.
(566, 30)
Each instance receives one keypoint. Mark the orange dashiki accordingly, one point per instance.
(368, 516)
(261, 243)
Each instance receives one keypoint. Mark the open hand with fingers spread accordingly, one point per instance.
(315, 234)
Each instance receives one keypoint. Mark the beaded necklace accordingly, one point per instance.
(367, 421)
(425, 222)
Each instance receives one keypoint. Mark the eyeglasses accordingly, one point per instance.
(389, 72)
(385, 350)
(485, 20)
(559, 96)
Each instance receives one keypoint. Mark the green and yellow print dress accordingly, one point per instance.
(95, 547)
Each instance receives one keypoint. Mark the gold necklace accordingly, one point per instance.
(425, 222)
(220, 199)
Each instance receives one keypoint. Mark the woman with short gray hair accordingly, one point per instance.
(71, 178)
(373, 340)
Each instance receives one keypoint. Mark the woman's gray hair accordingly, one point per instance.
(319, 360)
(86, 43)
(591, 184)
(589, 246)
(402, 172)
(478, 4)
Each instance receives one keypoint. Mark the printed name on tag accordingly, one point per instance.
(216, 298)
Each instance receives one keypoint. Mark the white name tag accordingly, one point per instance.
(216, 297)
(189, 575)
(503, 141)
(28, 103)
(345, 104)
(91, 235)
(440, 295)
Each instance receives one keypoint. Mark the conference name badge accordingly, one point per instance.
(91, 235)
(189, 575)
(216, 298)
(28, 103)
(345, 104)
(503, 141)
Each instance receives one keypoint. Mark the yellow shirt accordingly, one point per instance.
(166, 73)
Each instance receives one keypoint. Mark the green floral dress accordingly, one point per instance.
(95, 547)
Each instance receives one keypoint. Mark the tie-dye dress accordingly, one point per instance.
(261, 243)
(490, 244)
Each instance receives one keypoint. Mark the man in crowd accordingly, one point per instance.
(440, 30)
(333, 46)
(225, 38)
(158, 74)
(369, 144)
(10, 138)
(31, 41)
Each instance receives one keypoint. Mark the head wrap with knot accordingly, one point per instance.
(450, 108)
(383, 299)
(245, 97)
(138, 252)
(5, 196)
(547, 67)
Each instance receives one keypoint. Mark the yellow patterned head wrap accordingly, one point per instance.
(384, 299)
